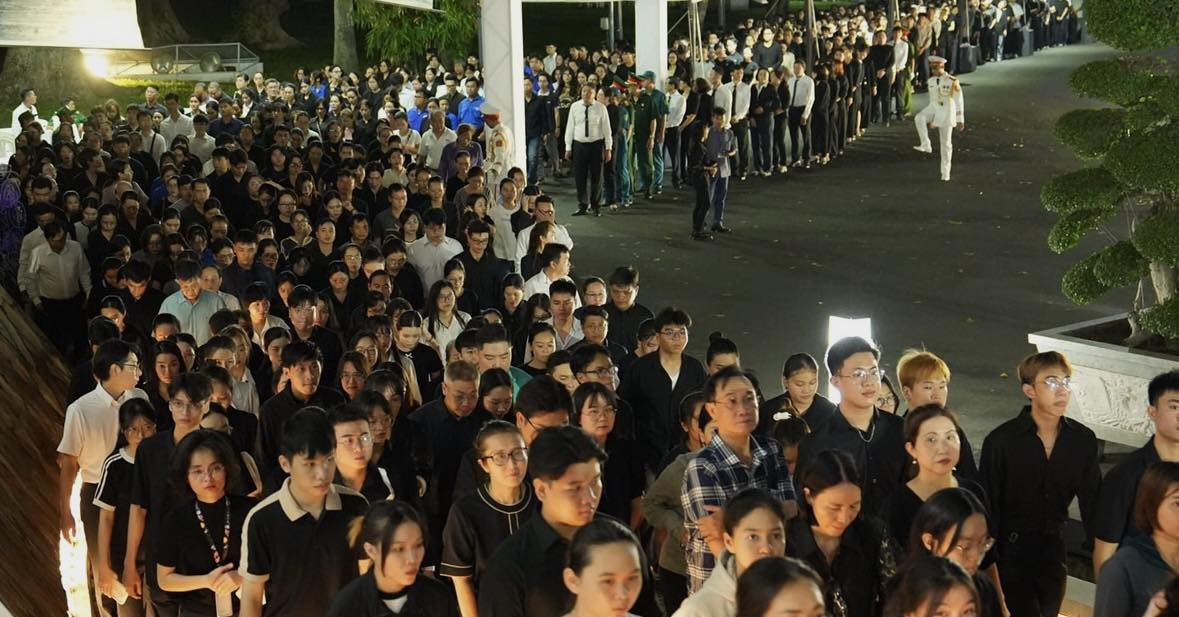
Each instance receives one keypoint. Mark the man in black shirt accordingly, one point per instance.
(151, 494)
(1120, 487)
(524, 575)
(302, 305)
(873, 437)
(485, 271)
(1032, 467)
(301, 364)
(450, 423)
(295, 547)
(141, 300)
(655, 384)
(624, 311)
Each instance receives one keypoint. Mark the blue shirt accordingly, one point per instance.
(715, 475)
(469, 112)
(194, 316)
(418, 118)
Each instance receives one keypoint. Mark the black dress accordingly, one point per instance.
(902, 506)
(854, 583)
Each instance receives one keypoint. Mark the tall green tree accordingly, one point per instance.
(344, 41)
(1129, 192)
(403, 34)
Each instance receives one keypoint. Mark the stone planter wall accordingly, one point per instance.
(1109, 381)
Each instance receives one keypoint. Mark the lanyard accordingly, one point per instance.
(223, 554)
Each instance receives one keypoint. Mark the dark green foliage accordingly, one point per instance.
(1080, 284)
(1121, 81)
(1162, 318)
(1091, 188)
(403, 35)
(1091, 132)
(1147, 160)
(1071, 227)
(1120, 264)
(1157, 238)
(1134, 25)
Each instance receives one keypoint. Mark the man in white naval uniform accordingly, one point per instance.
(500, 149)
(944, 112)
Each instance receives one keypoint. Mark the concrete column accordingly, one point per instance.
(502, 40)
(651, 38)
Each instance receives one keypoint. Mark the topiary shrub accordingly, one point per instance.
(1134, 144)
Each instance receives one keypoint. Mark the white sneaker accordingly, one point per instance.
(925, 149)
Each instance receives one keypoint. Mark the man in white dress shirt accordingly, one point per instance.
(677, 105)
(800, 93)
(739, 119)
(588, 143)
(430, 253)
(90, 433)
(555, 265)
(945, 112)
(58, 284)
(435, 139)
(174, 123)
(28, 102)
(544, 210)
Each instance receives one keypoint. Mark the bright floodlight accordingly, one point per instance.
(96, 63)
(843, 327)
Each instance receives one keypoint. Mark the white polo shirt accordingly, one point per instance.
(92, 429)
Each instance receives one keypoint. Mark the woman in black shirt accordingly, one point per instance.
(952, 523)
(480, 521)
(421, 363)
(393, 537)
(854, 554)
(199, 545)
(595, 408)
(113, 495)
(931, 439)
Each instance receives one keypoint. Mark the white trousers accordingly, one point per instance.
(945, 133)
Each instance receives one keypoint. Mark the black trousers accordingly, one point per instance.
(673, 588)
(780, 125)
(880, 101)
(587, 172)
(763, 146)
(1032, 570)
(744, 150)
(671, 142)
(64, 322)
(800, 135)
(703, 189)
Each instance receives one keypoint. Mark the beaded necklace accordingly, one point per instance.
(218, 556)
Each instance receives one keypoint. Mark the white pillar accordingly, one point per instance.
(651, 38)
(502, 37)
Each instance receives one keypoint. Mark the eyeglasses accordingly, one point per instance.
(385, 422)
(215, 470)
(601, 412)
(179, 405)
(131, 366)
(674, 334)
(1059, 383)
(545, 212)
(865, 376)
(351, 442)
(978, 551)
(501, 459)
(604, 372)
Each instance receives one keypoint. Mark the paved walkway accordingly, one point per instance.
(961, 268)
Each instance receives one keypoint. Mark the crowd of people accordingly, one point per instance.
(332, 358)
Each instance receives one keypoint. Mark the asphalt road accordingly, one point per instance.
(960, 268)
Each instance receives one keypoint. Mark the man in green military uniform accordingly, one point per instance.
(661, 109)
(645, 133)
